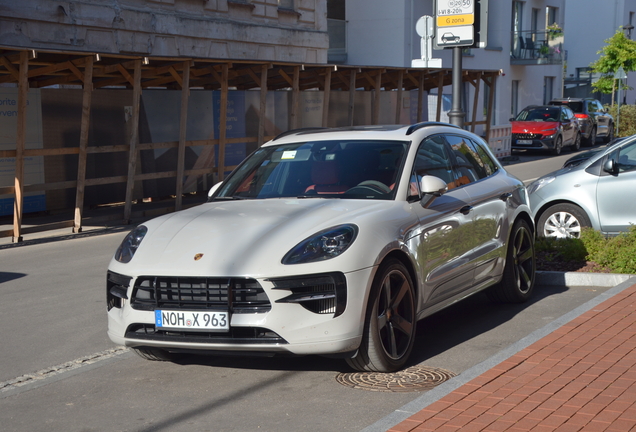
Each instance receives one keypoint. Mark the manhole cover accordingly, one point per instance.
(413, 379)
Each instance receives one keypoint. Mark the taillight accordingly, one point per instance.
(582, 116)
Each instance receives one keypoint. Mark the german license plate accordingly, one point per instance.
(190, 320)
(524, 141)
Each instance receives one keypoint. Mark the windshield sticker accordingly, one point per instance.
(289, 154)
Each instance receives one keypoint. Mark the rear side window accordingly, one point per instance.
(469, 160)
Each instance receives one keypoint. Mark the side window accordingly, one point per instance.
(626, 158)
(564, 115)
(591, 106)
(469, 166)
(489, 165)
(432, 159)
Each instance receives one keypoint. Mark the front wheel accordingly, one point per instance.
(610, 134)
(577, 143)
(562, 221)
(517, 281)
(558, 145)
(591, 140)
(389, 328)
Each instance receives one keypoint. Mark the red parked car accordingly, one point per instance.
(546, 127)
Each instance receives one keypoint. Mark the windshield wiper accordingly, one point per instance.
(228, 198)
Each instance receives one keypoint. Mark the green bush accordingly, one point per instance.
(618, 254)
(627, 121)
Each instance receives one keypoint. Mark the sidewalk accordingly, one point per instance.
(576, 374)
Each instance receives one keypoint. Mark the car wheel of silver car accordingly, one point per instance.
(591, 140)
(517, 282)
(389, 328)
(563, 221)
(558, 145)
(577, 143)
(610, 134)
(153, 354)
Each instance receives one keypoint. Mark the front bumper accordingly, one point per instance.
(533, 143)
(286, 327)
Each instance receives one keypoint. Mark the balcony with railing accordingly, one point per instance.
(337, 30)
(541, 47)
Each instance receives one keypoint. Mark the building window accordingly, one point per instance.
(286, 4)
(550, 15)
(514, 98)
(548, 89)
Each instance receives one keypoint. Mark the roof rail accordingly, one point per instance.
(417, 126)
(299, 130)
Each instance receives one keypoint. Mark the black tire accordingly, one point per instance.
(558, 145)
(390, 322)
(153, 354)
(591, 140)
(576, 146)
(562, 221)
(610, 134)
(517, 282)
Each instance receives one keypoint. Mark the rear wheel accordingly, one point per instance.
(558, 145)
(562, 221)
(389, 328)
(517, 282)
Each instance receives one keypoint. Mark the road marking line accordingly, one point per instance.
(52, 371)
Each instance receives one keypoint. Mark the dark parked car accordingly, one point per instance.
(545, 127)
(593, 117)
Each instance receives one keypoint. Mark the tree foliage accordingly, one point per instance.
(619, 51)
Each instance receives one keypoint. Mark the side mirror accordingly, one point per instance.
(610, 166)
(213, 189)
(431, 185)
(511, 119)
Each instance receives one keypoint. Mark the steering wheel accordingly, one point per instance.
(370, 186)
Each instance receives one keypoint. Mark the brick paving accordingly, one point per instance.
(581, 377)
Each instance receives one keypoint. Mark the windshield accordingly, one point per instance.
(357, 169)
(547, 114)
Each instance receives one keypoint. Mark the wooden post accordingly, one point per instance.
(134, 140)
(440, 93)
(294, 123)
(83, 143)
(398, 105)
(420, 97)
(183, 123)
(223, 121)
(262, 117)
(376, 102)
(493, 79)
(326, 97)
(23, 91)
(352, 94)
(475, 104)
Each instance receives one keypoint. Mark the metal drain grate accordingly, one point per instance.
(413, 379)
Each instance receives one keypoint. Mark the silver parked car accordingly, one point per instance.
(598, 192)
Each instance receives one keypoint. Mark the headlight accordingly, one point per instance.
(538, 184)
(128, 247)
(322, 246)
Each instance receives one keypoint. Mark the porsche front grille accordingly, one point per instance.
(236, 295)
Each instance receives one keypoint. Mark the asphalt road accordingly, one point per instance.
(60, 372)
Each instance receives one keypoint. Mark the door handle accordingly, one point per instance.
(465, 210)
(505, 196)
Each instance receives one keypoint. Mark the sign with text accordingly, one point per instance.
(454, 21)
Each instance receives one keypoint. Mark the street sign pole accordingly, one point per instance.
(456, 115)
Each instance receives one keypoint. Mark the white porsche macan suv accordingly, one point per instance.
(328, 242)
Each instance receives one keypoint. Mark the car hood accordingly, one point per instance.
(532, 126)
(249, 237)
